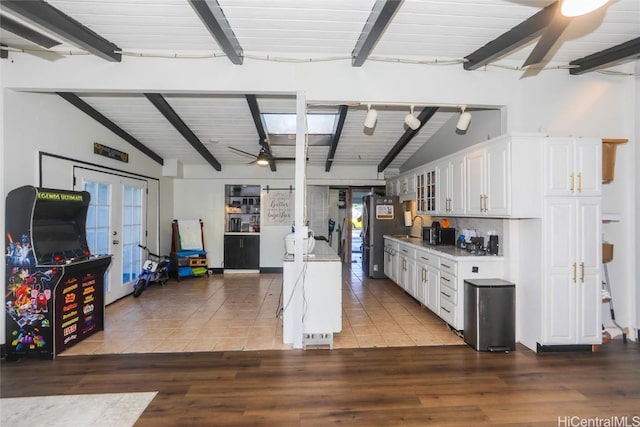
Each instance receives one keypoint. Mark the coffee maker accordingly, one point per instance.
(493, 246)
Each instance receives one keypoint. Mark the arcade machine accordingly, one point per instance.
(54, 286)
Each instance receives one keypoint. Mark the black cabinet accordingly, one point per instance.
(242, 251)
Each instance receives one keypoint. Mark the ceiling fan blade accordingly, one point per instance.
(237, 150)
(549, 37)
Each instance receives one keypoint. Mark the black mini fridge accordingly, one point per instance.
(489, 314)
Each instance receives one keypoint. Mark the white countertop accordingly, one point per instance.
(447, 251)
(321, 252)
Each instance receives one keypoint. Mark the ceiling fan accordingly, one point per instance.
(263, 157)
(562, 13)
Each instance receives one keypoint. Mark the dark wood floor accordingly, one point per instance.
(448, 385)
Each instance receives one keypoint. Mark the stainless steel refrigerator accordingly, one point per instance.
(380, 215)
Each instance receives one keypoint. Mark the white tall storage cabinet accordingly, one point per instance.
(570, 306)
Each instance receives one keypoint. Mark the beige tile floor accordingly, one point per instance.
(239, 312)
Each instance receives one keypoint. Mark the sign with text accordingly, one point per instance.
(109, 152)
(278, 208)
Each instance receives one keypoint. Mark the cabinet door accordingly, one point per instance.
(455, 184)
(588, 167)
(442, 187)
(475, 173)
(420, 193)
(558, 167)
(232, 252)
(589, 258)
(410, 277)
(433, 290)
(251, 251)
(561, 282)
(431, 186)
(422, 278)
(498, 189)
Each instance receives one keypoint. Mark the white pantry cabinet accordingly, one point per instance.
(572, 166)
(391, 262)
(571, 309)
(406, 276)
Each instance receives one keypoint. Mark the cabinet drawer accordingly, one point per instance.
(408, 252)
(448, 280)
(448, 294)
(428, 258)
(448, 266)
(447, 311)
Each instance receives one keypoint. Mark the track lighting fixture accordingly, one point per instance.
(372, 116)
(573, 8)
(464, 120)
(412, 121)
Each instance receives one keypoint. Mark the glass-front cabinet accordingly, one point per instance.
(426, 191)
(242, 210)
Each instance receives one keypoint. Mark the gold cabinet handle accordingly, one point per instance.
(582, 272)
(575, 268)
(580, 182)
(572, 178)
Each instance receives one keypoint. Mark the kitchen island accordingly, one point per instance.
(312, 298)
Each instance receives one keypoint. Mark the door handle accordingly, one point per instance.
(575, 266)
(582, 272)
(116, 242)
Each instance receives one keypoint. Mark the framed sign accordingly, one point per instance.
(109, 152)
(384, 211)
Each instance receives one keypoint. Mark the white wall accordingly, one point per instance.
(35, 122)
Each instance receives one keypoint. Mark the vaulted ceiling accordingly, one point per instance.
(201, 128)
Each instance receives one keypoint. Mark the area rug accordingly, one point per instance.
(95, 410)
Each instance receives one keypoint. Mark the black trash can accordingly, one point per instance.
(489, 314)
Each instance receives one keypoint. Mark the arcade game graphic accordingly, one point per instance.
(54, 289)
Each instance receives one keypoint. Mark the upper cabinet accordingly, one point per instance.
(572, 167)
(506, 177)
(487, 180)
(451, 185)
(426, 190)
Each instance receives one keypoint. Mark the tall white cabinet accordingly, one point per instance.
(561, 253)
(572, 259)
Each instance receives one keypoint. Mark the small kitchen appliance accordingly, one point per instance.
(439, 235)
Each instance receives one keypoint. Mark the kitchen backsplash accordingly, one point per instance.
(485, 226)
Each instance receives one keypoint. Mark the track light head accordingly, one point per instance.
(464, 120)
(412, 121)
(372, 117)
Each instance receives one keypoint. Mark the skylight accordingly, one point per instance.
(285, 124)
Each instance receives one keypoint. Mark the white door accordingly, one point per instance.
(559, 174)
(588, 165)
(589, 255)
(116, 225)
(456, 184)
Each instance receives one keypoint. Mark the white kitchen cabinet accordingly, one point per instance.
(392, 187)
(571, 309)
(426, 190)
(407, 256)
(487, 179)
(451, 184)
(427, 277)
(391, 261)
(572, 166)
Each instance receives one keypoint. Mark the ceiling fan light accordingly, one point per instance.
(372, 117)
(573, 8)
(262, 161)
(464, 120)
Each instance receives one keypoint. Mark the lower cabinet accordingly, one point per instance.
(242, 251)
(436, 279)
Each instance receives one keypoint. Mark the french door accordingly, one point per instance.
(116, 225)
